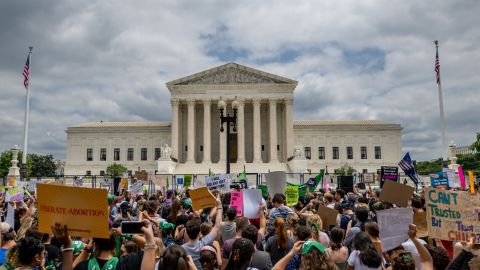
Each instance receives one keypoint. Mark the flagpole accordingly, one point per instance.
(442, 113)
(27, 106)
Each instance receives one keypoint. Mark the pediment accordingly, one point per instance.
(232, 73)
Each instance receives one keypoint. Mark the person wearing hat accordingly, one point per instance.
(8, 240)
(313, 256)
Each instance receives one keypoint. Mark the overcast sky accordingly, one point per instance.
(109, 60)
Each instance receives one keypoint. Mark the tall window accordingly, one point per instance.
(321, 152)
(157, 153)
(88, 173)
(89, 154)
(378, 152)
(363, 152)
(308, 152)
(116, 154)
(335, 153)
(349, 152)
(144, 154)
(103, 154)
(130, 154)
(102, 173)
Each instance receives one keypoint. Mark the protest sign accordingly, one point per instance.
(252, 198)
(388, 173)
(393, 226)
(461, 176)
(302, 188)
(187, 180)
(180, 179)
(368, 178)
(452, 215)
(83, 210)
(264, 190)
(202, 198)
(328, 215)
(291, 193)
(10, 219)
(420, 220)
(396, 193)
(141, 175)
(236, 201)
(11, 181)
(136, 188)
(32, 185)
(439, 179)
(472, 184)
(276, 182)
(218, 181)
(450, 176)
(14, 194)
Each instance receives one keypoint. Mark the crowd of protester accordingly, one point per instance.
(174, 236)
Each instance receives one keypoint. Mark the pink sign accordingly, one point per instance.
(462, 177)
(236, 201)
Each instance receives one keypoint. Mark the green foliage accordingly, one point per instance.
(341, 171)
(427, 167)
(5, 163)
(41, 165)
(116, 170)
(470, 162)
(476, 145)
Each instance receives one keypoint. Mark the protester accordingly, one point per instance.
(279, 244)
(364, 254)
(337, 251)
(260, 259)
(241, 257)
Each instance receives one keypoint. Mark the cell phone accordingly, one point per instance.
(132, 227)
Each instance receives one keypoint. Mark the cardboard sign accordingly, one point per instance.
(236, 201)
(187, 180)
(388, 173)
(291, 193)
(452, 215)
(368, 178)
(252, 198)
(136, 188)
(202, 198)
(83, 210)
(142, 175)
(439, 179)
(328, 215)
(396, 193)
(420, 220)
(218, 181)
(276, 182)
(393, 226)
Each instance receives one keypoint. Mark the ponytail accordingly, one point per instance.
(281, 233)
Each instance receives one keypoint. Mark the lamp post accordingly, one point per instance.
(230, 120)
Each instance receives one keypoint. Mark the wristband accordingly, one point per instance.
(67, 249)
(150, 245)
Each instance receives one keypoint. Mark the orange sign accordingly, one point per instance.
(11, 181)
(202, 198)
(83, 210)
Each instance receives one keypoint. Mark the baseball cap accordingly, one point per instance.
(4, 227)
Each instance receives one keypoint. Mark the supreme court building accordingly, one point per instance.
(266, 136)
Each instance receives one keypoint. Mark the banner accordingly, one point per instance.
(393, 226)
(83, 210)
(396, 193)
(291, 193)
(452, 215)
(439, 179)
(302, 189)
(202, 198)
(252, 199)
(218, 181)
(461, 176)
(276, 182)
(236, 201)
(14, 194)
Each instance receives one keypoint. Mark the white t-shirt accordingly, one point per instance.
(354, 261)
(410, 247)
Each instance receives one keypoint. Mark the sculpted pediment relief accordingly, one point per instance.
(232, 74)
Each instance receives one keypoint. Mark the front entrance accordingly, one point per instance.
(233, 147)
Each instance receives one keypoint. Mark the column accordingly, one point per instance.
(257, 139)
(273, 130)
(241, 132)
(191, 131)
(288, 149)
(206, 131)
(175, 102)
(223, 139)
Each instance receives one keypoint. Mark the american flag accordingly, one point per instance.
(437, 68)
(26, 72)
(407, 166)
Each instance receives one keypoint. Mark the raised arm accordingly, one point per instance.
(218, 218)
(280, 265)
(425, 257)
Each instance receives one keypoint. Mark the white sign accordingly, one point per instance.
(451, 177)
(393, 225)
(276, 182)
(218, 181)
(252, 199)
(136, 188)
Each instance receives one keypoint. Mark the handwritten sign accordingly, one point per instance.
(276, 182)
(202, 198)
(450, 176)
(236, 201)
(439, 179)
(83, 210)
(291, 192)
(218, 181)
(368, 178)
(396, 193)
(393, 226)
(452, 215)
(252, 198)
(136, 188)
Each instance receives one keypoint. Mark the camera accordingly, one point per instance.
(242, 184)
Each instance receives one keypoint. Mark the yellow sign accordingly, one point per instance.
(123, 184)
(472, 183)
(83, 210)
(202, 198)
(291, 192)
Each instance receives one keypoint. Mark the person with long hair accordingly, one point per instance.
(314, 222)
(313, 256)
(337, 251)
(364, 255)
(279, 244)
(241, 257)
(292, 224)
(371, 227)
(175, 258)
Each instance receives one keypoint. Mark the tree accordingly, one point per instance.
(470, 162)
(116, 170)
(341, 170)
(427, 167)
(476, 145)
(5, 162)
(42, 165)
